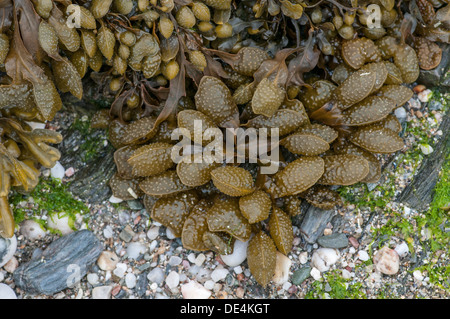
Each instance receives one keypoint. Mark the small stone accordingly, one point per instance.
(134, 250)
(108, 232)
(387, 261)
(156, 275)
(219, 274)
(425, 95)
(238, 256)
(141, 285)
(11, 265)
(102, 292)
(419, 88)
(6, 292)
(130, 280)
(282, 266)
(172, 279)
(8, 247)
(336, 240)
(194, 290)
(175, 261)
(120, 270)
(153, 233)
(57, 171)
(419, 114)
(402, 249)
(209, 284)
(400, 113)
(426, 149)
(417, 274)
(303, 257)
(353, 241)
(363, 255)
(200, 259)
(315, 273)
(107, 260)
(127, 234)
(115, 200)
(237, 270)
(93, 279)
(324, 258)
(60, 222)
(346, 274)
(32, 230)
(300, 275)
(69, 172)
(170, 234)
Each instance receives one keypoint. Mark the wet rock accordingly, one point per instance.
(314, 223)
(62, 264)
(6, 292)
(141, 285)
(300, 275)
(8, 247)
(238, 255)
(336, 240)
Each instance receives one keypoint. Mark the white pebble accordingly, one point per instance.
(130, 280)
(287, 285)
(363, 255)
(324, 258)
(120, 270)
(303, 257)
(425, 95)
(209, 284)
(156, 275)
(102, 292)
(200, 259)
(346, 274)
(6, 292)
(57, 171)
(92, 278)
(32, 230)
(175, 261)
(418, 275)
(172, 279)
(282, 265)
(194, 290)
(61, 223)
(238, 256)
(170, 234)
(108, 232)
(315, 273)
(115, 200)
(402, 249)
(426, 149)
(35, 125)
(219, 274)
(191, 257)
(134, 250)
(153, 233)
(400, 113)
(8, 247)
(237, 270)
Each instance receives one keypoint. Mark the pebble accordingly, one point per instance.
(156, 275)
(108, 232)
(130, 280)
(194, 290)
(425, 95)
(386, 261)
(61, 223)
(200, 259)
(426, 149)
(172, 279)
(336, 240)
(175, 261)
(282, 266)
(402, 249)
(300, 275)
(170, 234)
(57, 171)
(417, 274)
(346, 274)
(32, 230)
(315, 273)
(115, 200)
(237, 270)
(363, 255)
(219, 274)
(353, 241)
(303, 257)
(11, 265)
(324, 258)
(120, 270)
(238, 256)
(127, 234)
(93, 279)
(134, 250)
(107, 260)
(102, 292)
(6, 292)
(8, 247)
(400, 113)
(69, 172)
(209, 284)
(153, 233)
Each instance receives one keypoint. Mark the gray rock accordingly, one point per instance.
(127, 234)
(62, 264)
(8, 247)
(336, 240)
(314, 223)
(300, 275)
(141, 285)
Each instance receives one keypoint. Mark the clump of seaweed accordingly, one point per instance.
(326, 74)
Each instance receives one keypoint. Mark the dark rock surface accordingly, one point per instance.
(62, 264)
(314, 223)
(335, 240)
